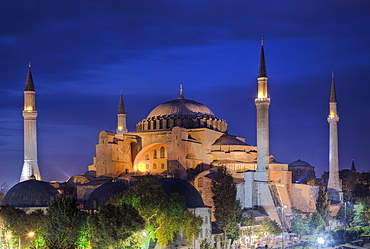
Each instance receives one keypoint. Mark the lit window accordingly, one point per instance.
(162, 165)
(146, 156)
(161, 152)
(155, 154)
(155, 166)
(200, 182)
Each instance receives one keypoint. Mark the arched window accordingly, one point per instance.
(154, 153)
(147, 166)
(154, 166)
(161, 152)
(146, 156)
(200, 182)
(162, 165)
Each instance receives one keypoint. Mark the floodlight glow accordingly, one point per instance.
(320, 240)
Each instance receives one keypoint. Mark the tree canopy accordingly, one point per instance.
(323, 205)
(164, 216)
(228, 212)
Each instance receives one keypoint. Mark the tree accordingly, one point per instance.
(112, 225)
(300, 224)
(346, 214)
(17, 223)
(64, 221)
(228, 212)
(360, 215)
(316, 223)
(164, 215)
(271, 227)
(323, 205)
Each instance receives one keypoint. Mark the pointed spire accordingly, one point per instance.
(181, 96)
(29, 81)
(262, 68)
(353, 167)
(121, 105)
(333, 95)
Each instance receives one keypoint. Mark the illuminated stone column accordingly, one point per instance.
(262, 103)
(30, 165)
(334, 189)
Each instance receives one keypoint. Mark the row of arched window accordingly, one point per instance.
(155, 154)
(155, 166)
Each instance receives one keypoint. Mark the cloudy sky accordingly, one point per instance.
(84, 52)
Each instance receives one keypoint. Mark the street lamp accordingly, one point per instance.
(9, 236)
(282, 224)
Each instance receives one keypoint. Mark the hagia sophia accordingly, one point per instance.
(183, 141)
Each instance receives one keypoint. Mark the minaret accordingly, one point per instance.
(121, 117)
(334, 188)
(30, 166)
(262, 104)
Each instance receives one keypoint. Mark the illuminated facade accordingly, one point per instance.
(30, 165)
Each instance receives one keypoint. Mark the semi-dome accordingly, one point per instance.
(184, 189)
(102, 194)
(181, 112)
(229, 140)
(30, 193)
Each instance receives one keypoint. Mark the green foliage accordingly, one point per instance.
(300, 224)
(323, 205)
(17, 223)
(164, 215)
(227, 209)
(353, 233)
(316, 223)
(64, 221)
(346, 214)
(112, 225)
(205, 245)
(360, 217)
(248, 218)
(271, 227)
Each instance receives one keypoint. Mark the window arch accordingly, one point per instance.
(147, 166)
(154, 153)
(161, 152)
(146, 156)
(154, 166)
(162, 165)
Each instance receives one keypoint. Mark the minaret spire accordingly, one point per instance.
(30, 165)
(334, 188)
(262, 104)
(262, 68)
(121, 116)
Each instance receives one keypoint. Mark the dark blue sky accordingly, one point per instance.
(84, 52)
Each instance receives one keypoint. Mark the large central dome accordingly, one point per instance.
(181, 112)
(181, 108)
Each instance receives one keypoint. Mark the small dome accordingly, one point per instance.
(181, 108)
(30, 193)
(102, 194)
(229, 140)
(183, 188)
(299, 163)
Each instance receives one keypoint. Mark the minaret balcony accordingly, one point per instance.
(262, 101)
(333, 119)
